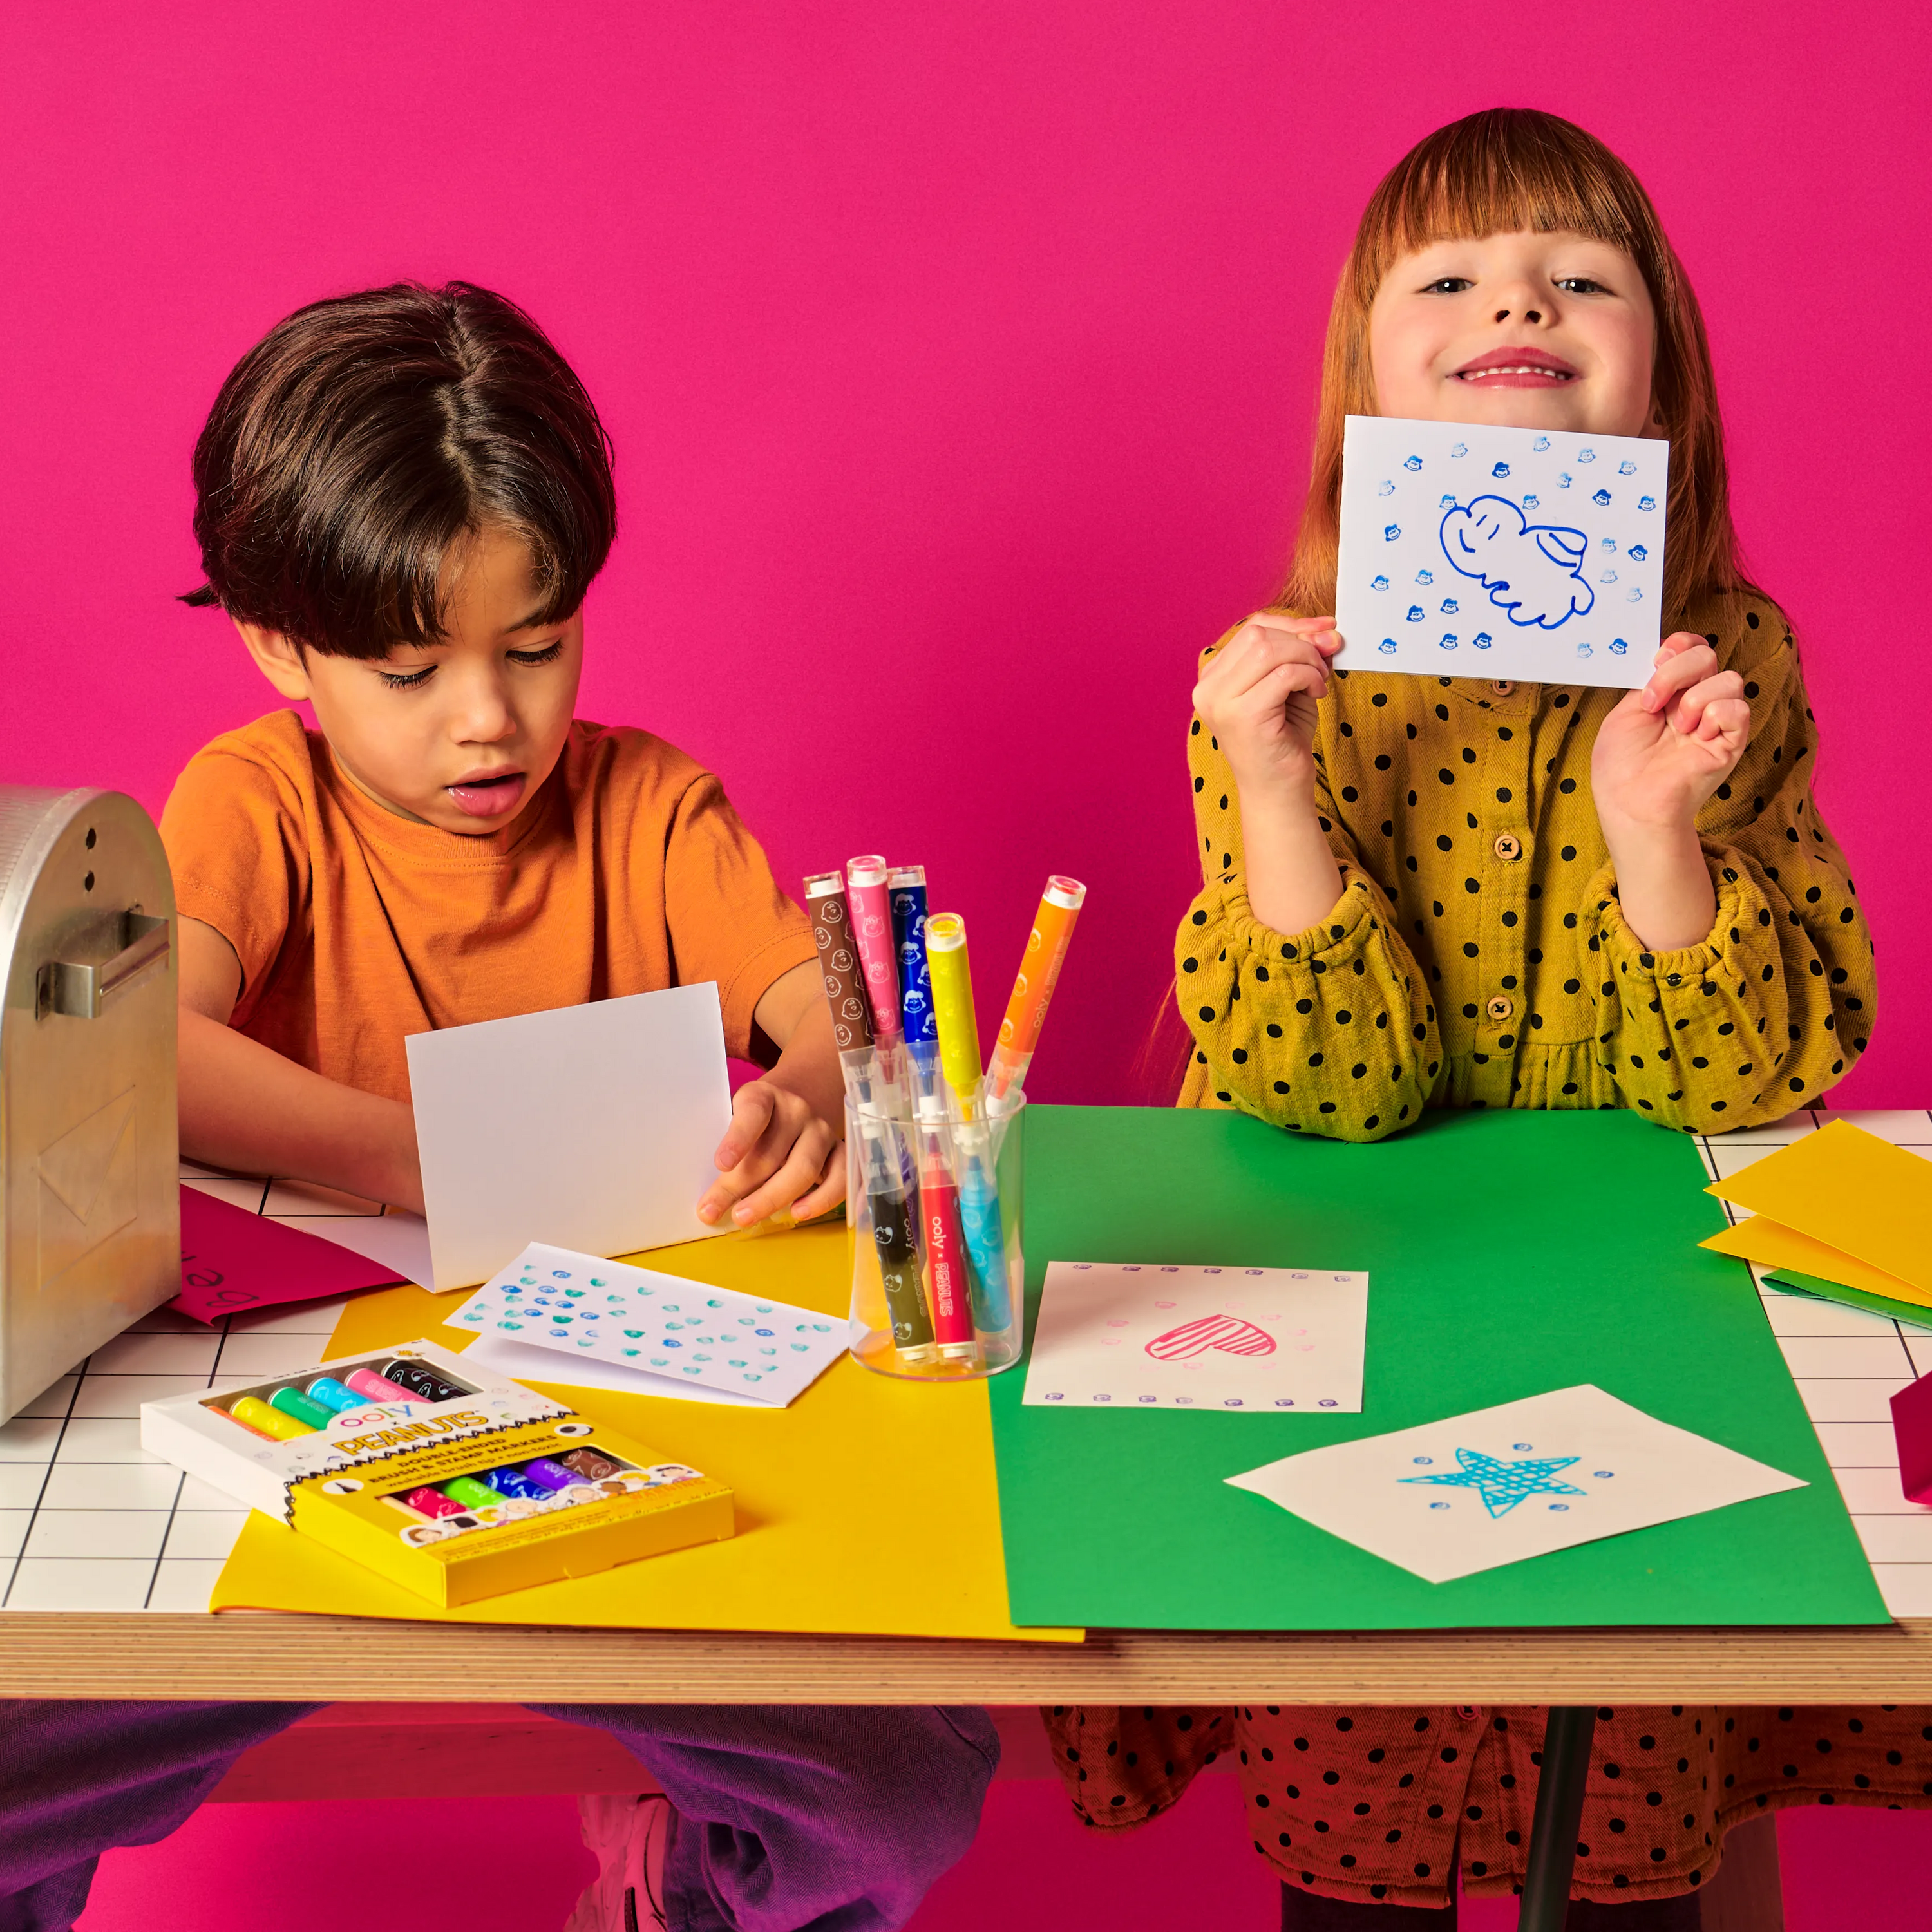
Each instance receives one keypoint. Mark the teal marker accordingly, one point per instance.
(986, 1236)
(293, 1402)
(335, 1395)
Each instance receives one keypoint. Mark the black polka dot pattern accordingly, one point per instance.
(1479, 955)
(1380, 1802)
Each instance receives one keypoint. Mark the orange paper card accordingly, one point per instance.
(1851, 1192)
(1771, 1244)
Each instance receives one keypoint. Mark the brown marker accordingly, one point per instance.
(839, 962)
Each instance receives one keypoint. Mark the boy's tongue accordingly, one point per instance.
(489, 798)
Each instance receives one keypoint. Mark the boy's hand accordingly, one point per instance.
(1258, 695)
(1665, 749)
(778, 1153)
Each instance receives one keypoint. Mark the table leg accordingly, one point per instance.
(1559, 1809)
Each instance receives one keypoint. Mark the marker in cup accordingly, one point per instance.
(948, 1275)
(1039, 972)
(952, 1009)
(894, 1215)
(871, 907)
(906, 888)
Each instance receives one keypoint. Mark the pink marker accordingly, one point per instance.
(878, 957)
(377, 1388)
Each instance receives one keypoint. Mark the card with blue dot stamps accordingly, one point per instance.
(1472, 1492)
(1236, 1341)
(1529, 555)
(676, 1337)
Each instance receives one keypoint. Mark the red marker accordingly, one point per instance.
(948, 1274)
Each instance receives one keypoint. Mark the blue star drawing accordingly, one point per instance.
(1503, 1485)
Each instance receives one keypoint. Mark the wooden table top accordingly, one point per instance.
(242, 1654)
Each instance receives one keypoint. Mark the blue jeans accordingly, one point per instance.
(831, 1817)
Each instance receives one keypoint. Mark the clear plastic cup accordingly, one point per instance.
(927, 1190)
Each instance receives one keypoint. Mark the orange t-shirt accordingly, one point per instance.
(629, 872)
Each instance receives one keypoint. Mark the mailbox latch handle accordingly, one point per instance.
(83, 992)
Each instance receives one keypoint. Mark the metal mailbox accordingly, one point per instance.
(90, 1209)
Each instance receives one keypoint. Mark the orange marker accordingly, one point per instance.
(1039, 973)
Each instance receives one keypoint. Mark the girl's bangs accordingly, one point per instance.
(1466, 190)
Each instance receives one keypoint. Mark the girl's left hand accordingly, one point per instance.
(778, 1154)
(1665, 749)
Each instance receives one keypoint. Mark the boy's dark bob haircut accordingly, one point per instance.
(362, 443)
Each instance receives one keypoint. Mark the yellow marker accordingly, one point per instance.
(952, 1008)
(253, 1413)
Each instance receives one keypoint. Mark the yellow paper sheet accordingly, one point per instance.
(1771, 1244)
(869, 1506)
(1851, 1191)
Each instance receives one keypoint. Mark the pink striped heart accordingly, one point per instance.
(1227, 1333)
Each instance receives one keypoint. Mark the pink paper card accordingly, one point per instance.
(233, 1260)
(1912, 1426)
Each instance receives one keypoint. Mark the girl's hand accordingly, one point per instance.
(1665, 749)
(777, 1154)
(1258, 695)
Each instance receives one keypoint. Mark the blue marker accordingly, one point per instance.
(335, 1395)
(513, 1482)
(906, 890)
(979, 1221)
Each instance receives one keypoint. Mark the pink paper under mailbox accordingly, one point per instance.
(231, 1259)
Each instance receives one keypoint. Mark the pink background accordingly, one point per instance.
(238, 1867)
(960, 363)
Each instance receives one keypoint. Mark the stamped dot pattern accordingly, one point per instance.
(657, 1324)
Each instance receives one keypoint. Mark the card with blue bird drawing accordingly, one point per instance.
(1472, 551)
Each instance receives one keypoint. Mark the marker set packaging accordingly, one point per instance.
(457, 1485)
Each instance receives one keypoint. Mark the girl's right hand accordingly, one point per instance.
(1258, 695)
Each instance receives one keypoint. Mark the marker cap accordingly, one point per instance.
(872, 917)
(953, 1002)
(839, 962)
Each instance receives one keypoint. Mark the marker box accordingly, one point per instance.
(460, 1486)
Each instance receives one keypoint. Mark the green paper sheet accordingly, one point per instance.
(1509, 1253)
(1852, 1297)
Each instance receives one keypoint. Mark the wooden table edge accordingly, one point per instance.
(160, 1655)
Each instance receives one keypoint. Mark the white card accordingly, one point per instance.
(521, 1362)
(1244, 1340)
(1472, 1492)
(593, 1124)
(397, 1239)
(683, 1335)
(1474, 552)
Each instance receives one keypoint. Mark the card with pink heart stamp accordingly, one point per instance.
(1237, 1340)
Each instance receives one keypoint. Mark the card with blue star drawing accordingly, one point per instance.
(1447, 1499)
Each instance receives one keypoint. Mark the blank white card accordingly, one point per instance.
(590, 1127)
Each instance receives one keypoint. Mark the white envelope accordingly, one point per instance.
(1239, 1341)
(670, 1336)
(594, 1125)
(1474, 552)
(1449, 1499)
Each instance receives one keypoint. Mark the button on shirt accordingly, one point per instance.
(1478, 954)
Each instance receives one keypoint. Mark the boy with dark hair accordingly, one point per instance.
(402, 498)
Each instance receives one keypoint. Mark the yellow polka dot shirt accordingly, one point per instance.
(1478, 956)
